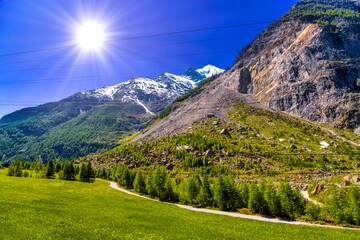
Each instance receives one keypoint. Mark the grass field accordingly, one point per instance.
(33, 208)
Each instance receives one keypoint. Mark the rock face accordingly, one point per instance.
(304, 68)
(305, 64)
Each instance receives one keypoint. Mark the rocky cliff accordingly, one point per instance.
(305, 64)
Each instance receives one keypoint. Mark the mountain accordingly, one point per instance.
(92, 121)
(305, 64)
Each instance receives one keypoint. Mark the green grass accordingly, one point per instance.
(33, 208)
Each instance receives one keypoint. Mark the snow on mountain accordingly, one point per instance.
(210, 70)
(153, 94)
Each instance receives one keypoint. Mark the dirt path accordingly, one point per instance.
(258, 218)
(305, 194)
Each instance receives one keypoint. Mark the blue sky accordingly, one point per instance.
(30, 25)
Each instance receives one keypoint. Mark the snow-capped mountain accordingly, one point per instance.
(153, 94)
(209, 71)
(92, 121)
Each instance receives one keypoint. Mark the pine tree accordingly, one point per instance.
(160, 180)
(354, 204)
(139, 183)
(220, 193)
(57, 167)
(124, 176)
(285, 196)
(68, 172)
(83, 173)
(192, 189)
(233, 194)
(90, 172)
(272, 200)
(18, 171)
(205, 197)
(150, 185)
(50, 169)
(244, 194)
(256, 200)
(169, 191)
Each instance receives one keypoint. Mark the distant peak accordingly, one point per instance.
(210, 70)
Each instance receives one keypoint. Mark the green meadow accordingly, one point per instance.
(32, 208)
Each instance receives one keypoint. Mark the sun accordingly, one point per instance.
(90, 35)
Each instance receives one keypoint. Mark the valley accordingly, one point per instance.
(268, 148)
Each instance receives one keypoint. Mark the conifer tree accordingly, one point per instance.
(285, 196)
(160, 180)
(139, 183)
(272, 200)
(256, 200)
(58, 167)
(68, 172)
(150, 184)
(90, 171)
(83, 173)
(192, 189)
(50, 169)
(244, 194)
(169, 191)
(221, 193)
(205, 195)
(354, 204)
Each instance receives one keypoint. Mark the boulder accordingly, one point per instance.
(215, 123)
(224, 131)
(317, 189)
(209, 153)
(293, 147)
(182, 148)
(357, 165)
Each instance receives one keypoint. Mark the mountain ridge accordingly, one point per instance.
(303, 64)
(90, 121)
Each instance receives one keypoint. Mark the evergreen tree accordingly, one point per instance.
(256, 200)
(83, 173)
(18, 171)
(285, 197)
(58, 167)
(90, 172)
(192, 189)
(169, 191)
(205, 196)
(68, 172)
(139, 183)
(50, 169)
(220, 193)
(272, 200)
(233, 194)
(124, 176)
(244, 195)
(150, 185)
(354, 204)
(160, 180)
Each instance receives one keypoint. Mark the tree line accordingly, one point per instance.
(66, 170)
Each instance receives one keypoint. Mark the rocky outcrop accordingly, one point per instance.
(300, 65)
